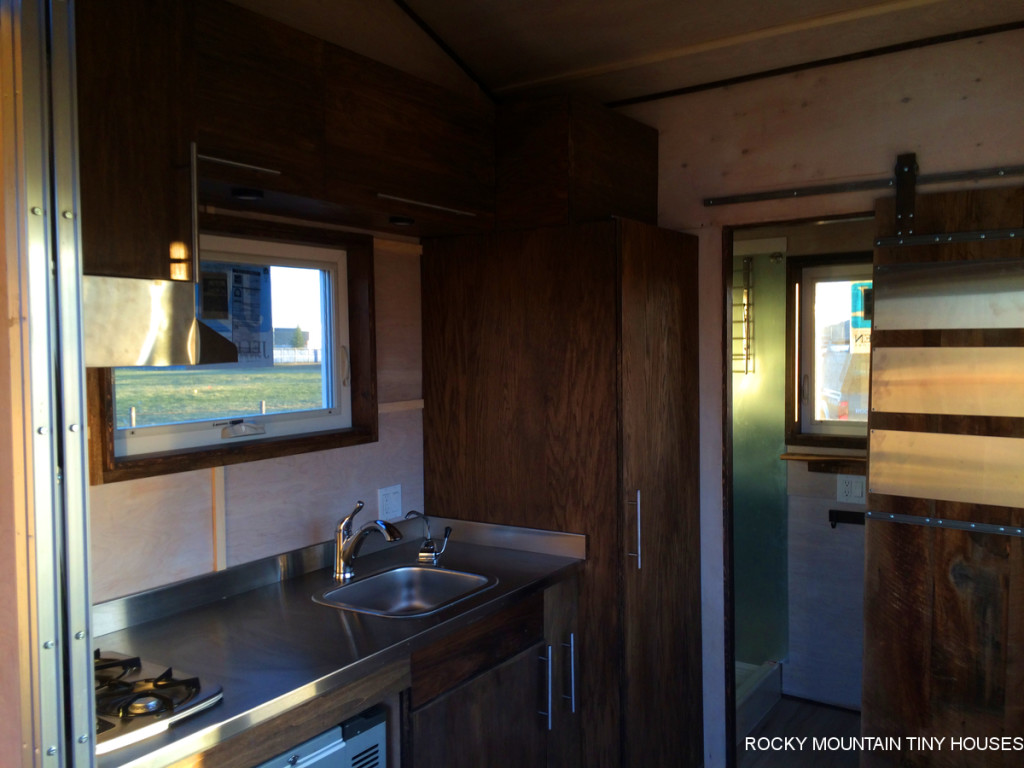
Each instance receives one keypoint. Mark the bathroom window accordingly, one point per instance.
(830, 306)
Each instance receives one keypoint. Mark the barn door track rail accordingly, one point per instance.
(868, 184)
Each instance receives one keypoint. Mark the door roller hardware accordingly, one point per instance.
(839, 188)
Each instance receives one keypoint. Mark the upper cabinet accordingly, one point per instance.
(566, 160)
(404, 144)
(134, 125)
(283, 123)
(259, 100)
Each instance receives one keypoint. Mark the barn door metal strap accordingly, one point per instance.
(980, 174)
(906, 195)
(941, 522)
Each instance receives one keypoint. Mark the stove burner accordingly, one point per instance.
(135, 699)
(148, 696)
(145, 705)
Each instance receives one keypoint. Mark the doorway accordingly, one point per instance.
(794, 632)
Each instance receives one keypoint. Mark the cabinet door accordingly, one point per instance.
(493, 720)
(259, 99)
(561, 633)
(662, 652)
(392, 138)
(133, 135)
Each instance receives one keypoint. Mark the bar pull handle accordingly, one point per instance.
(549, 714)
(639, 531)
(241, 166)
(571, 645)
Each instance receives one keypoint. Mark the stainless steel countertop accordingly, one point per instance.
(273, 648)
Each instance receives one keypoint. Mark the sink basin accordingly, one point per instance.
(405, 592)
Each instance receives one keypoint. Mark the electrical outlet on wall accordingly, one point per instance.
(389, 503)
(850, 489)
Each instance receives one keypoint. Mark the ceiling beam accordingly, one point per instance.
(449, 52)
(883, 51)
(730, 41)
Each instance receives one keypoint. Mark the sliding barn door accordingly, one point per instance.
(944, 576)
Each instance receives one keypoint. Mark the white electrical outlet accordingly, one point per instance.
(389, 503)
(850, 489)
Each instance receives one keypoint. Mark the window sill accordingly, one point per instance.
(830, 463)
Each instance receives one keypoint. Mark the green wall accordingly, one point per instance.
(759, 476)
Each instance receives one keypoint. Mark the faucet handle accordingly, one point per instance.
(429, 553)
(345, 525)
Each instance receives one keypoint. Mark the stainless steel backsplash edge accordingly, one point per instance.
(160, 602)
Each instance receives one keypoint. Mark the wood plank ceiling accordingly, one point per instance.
(620, 50)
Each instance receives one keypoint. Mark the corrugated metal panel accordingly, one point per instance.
(967, 468)
(968, 381)
(950, 295)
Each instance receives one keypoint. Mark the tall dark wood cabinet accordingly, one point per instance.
(560, 390)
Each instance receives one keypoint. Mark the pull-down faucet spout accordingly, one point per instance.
(347, 543)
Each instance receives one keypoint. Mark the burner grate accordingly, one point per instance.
(135, 700)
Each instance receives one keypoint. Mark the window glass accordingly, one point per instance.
(842, 345)
(279, 305)
(834, 360)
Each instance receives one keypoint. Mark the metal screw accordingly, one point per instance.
(74, 428)
(79, 635)
(43, 430)
(51, 751)
(36, 210)
(83, 739)
(48, 645)
(68, 215)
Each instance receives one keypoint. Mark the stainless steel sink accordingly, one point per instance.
(405, 592)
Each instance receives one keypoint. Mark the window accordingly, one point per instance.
(830, 303)
(283, 307)
(297, 302)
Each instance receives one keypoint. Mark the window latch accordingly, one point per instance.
(241, 428)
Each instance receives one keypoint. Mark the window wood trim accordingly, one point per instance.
(105, 467)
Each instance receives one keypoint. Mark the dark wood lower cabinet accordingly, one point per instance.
(493, 720)
(498, 692)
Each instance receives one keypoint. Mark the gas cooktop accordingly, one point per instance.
(137, 699)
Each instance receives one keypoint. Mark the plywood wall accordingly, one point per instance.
(155, 531)
(956, 105)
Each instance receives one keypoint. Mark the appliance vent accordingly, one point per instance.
(368, 758)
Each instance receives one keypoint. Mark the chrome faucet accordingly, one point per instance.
(347, 543)
(429, 553)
